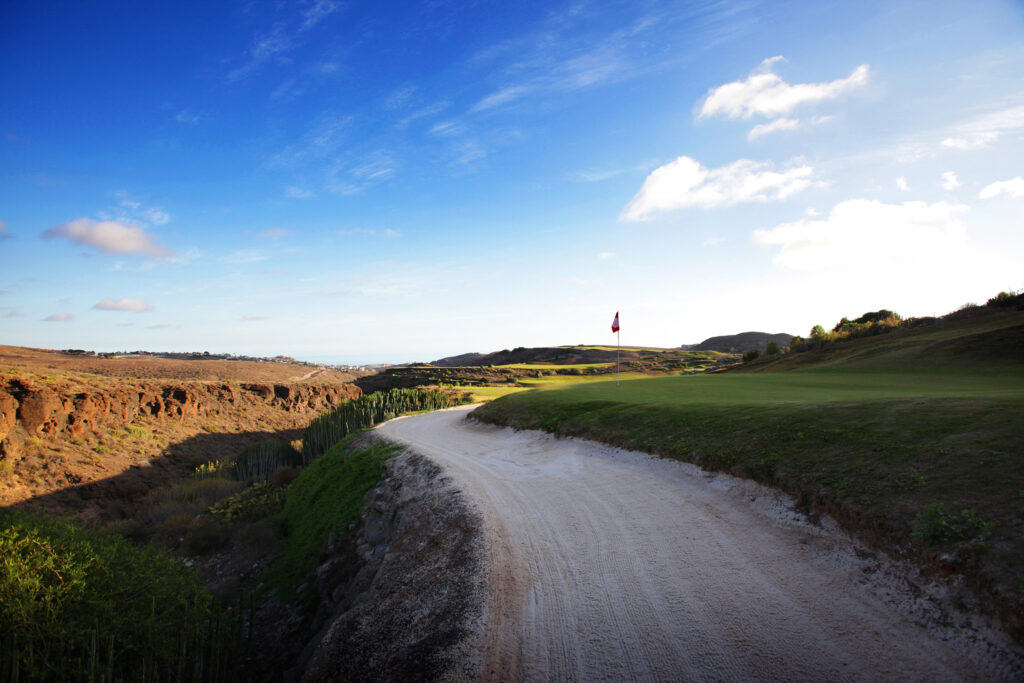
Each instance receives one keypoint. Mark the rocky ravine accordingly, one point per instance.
(58, 432)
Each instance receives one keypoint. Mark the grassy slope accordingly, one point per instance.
(874, 432)
(324, 500)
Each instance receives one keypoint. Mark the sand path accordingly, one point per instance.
(613, 565)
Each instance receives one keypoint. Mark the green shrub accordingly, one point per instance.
(751, 355)
(256, 502)
(935, 525)
(78, 605)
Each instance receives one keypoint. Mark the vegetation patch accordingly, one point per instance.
(325, 499)
(77, 605)
(357, 414)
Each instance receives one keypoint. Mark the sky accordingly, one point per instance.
(367, 182)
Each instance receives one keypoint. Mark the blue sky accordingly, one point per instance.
(387, 182)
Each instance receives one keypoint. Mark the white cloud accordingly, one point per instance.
(860, 233)
(950, 181)
(901, 184)
(976, 142)
(298, 192)
(253, 318)
(112, 237)
(686, 183)
(776, 125)
(606, 255)
(59, 318)
(1011, 188)
(764, 93)
(126, 304)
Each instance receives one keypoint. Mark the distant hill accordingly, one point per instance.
(741, 343)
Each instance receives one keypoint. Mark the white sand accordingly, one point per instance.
(606, 564)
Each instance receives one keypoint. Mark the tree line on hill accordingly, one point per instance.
(880, 322)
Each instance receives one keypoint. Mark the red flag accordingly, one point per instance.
(615, 323)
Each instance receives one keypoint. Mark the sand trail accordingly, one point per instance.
(612, 565)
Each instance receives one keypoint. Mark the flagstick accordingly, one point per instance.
(618, 350)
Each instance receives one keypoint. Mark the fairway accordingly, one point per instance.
(793, 387)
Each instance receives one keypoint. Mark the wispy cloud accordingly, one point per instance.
(187, 116)
(367, 232)
(501, 96)
(901, 184)
(59, 318)
(983, 130)
(764, 93)
(126, 305)
(298, 192)
(253, 318)
(111, 237)
(686, 183)
(282, 37)
(3, 231)
(1011, 188)
(274, 233)
(860, 231)
(245, 256)
(950, 181)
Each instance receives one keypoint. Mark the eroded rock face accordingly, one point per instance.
(8, 413)
(43, 410)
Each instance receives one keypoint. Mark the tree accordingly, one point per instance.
(772, 348)
(818, 334)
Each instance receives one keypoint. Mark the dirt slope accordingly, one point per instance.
(606, 564)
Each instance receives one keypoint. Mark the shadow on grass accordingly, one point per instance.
(124, 495)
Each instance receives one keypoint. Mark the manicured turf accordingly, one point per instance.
(807, 386)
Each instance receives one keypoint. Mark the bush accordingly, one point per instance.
(751, 355)
(76, 604)
(772, 349)
(935, 525)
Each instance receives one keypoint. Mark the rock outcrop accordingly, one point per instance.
(44, 410)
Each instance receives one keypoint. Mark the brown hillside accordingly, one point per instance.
(94, 443)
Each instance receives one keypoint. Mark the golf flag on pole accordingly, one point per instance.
(615, 322)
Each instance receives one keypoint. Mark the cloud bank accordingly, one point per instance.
(112, 237)
(686, 183)
(868, 233)
(1011, 188)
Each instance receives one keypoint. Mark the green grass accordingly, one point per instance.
(882, 450)
(323, 501)
(554, 366)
